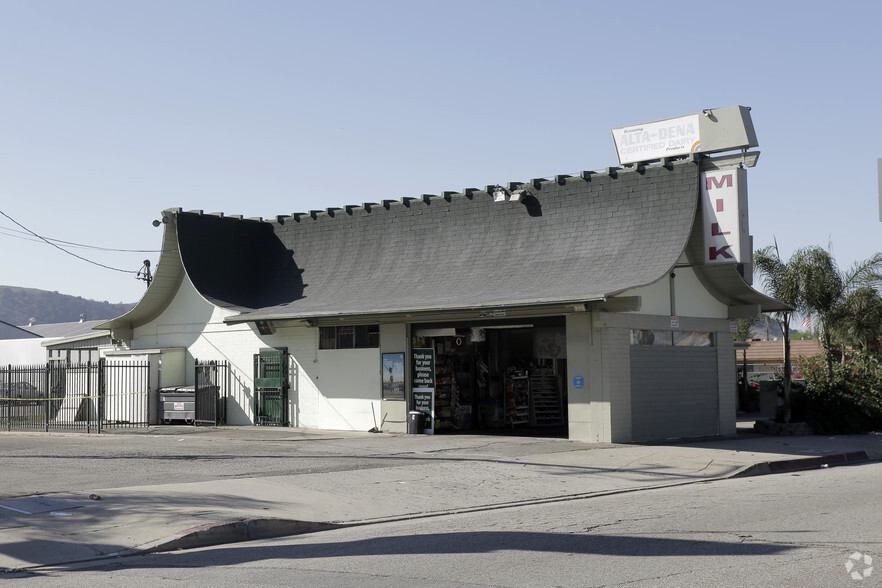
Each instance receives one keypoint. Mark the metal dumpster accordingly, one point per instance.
(177, 404)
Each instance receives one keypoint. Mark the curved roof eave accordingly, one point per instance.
(169, 273)
(726, 278)
(275, 315)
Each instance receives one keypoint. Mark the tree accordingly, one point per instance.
(801, 336)
(782, 282)
(834, 296)
(858, 319)
(743, 332)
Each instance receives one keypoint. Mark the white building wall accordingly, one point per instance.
(351, 384)
(589, 406)
(337, 389)
(195, 324)
(394, 339)
(24, 351)
(655, 298)
(691, 298)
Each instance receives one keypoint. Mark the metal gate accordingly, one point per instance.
(212, 382)
(78, 398)
(271, 387)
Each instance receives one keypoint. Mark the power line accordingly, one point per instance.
(21, 235)
(49, 242)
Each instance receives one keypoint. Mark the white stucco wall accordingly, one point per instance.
(589, 406)
(329, 390)
(691, 298)
(350, 384)
(394, 339)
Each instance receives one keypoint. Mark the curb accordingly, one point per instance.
(806, 463)
(234, 531)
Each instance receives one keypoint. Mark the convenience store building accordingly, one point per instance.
(597, 305)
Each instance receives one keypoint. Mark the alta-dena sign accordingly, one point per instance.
(711, 131)
(665, 138)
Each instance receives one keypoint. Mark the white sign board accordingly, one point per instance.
(713, 130)
(654, 140)
(724, 212)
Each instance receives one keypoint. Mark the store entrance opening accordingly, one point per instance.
(499, 378)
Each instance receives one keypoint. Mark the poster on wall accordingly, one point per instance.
(423, 385)
(393, 376)
(550, 343)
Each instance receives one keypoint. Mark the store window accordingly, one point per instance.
(349, 337)
(661, 338)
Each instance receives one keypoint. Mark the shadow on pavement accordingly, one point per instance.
(452, 543)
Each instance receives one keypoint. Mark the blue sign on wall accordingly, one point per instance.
(578, 382)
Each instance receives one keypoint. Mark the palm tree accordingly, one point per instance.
(782, 282)
(858, 319)
(835, 296)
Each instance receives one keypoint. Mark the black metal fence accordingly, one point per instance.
(95, 396)
(212, 383)
(84, 397)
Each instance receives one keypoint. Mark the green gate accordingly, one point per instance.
(271, 387)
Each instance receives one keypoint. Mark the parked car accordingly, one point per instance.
(19, 390)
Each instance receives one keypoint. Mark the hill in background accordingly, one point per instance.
(19, 305)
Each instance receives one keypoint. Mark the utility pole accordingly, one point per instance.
(144, 273)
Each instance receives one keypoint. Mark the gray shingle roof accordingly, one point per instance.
(71, 329)
(568, 241)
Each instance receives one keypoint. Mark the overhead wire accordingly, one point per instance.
(53, 243)
(28, 237)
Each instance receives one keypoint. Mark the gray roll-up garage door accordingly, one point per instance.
(673, 392)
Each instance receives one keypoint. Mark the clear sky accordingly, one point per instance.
(115, 110)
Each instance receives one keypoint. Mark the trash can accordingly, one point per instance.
(416, 422)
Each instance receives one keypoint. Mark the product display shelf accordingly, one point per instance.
(517, 400)
(446, 396)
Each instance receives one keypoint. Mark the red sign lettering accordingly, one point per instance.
(715, 230)
(715, 252)
(721, 182)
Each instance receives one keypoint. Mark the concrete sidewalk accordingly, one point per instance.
(458, 474)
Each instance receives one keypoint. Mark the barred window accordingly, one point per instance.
(659, 337)
(349, 337)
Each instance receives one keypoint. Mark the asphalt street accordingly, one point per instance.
(76, 498)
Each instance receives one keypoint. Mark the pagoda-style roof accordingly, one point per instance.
(566, 240)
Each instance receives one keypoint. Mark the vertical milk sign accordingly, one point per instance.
(423, 385)
(724, 211)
